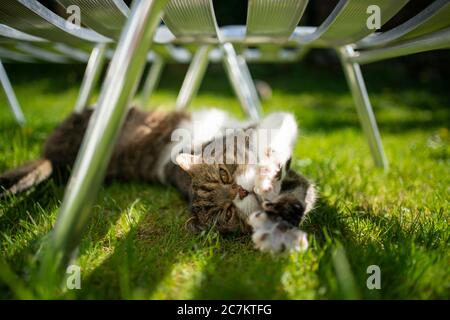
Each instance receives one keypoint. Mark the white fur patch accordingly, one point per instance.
(249, 204)
(282, 137)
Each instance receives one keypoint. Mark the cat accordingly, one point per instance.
(234, 178)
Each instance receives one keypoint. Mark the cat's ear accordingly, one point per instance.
(187, 161)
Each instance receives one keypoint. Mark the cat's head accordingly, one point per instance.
(222, 194)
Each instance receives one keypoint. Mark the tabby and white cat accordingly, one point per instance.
(244, 186)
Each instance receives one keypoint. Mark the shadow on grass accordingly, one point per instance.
(141, 260)
(146, 258)
(26, 219)
(242, 274)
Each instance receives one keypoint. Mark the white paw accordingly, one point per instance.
(276, 236)
(267, 186)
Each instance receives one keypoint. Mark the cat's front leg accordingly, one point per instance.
(268, 177)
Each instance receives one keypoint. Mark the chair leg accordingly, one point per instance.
(91, 76)
(120, 84)
(250, 84)
(12, 99)
(194, 77)
(152, 79)
(363, 106)
(242, 82)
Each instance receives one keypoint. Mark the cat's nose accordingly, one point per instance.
(242, 193)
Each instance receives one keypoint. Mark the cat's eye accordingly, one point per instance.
(224, 176)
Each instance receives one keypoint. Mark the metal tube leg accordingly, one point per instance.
(249, 83)
(91, 75)
(194, 77)
(90, 166)
(242, 82)
(12, 99)
(364, 108)
(152, 80)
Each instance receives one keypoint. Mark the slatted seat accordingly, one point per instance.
(194, 22)
(15, 46)
(39, 49)
(56, 41)
(348, 22)
(264, 21)
(28, 21)
(26, 15)
(107, 17)
(10, 38)
(433, 18)
(42, 49)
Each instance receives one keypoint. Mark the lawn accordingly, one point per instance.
(136, 245)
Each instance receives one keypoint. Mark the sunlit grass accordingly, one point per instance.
(136, 245)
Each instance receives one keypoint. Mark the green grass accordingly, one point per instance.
(136, 245)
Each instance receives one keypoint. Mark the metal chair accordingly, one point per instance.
(108, 18)
(7, 34)
(21, 17)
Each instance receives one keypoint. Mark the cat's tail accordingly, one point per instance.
(25, 177)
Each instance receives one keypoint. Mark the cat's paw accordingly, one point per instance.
(276, 235)
(268, 180)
